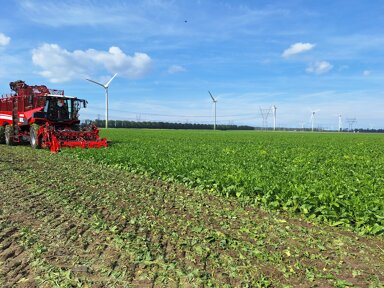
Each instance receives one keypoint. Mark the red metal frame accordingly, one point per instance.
(18, 110)
(54, 139)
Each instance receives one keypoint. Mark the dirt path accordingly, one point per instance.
(66, 222)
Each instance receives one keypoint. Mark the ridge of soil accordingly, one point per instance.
(76, 223)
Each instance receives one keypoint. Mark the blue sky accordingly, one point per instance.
(300, 55)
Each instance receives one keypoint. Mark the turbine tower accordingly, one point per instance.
(105, 86)
(313, 119)
(214, 101)
(274, 117)
(340, 124)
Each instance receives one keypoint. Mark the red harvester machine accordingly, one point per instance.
(45, 118)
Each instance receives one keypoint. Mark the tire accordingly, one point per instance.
(34, 140)
(8, 133)
(2, 135)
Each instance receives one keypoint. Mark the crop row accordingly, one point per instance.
(332, 178)
(84, 224)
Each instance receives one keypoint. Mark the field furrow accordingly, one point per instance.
(77, 222)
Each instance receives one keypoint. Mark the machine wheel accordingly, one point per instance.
(8, 133)
(2, 135)
(34, 139)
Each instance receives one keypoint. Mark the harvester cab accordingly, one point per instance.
(46, 118)
(62, 109)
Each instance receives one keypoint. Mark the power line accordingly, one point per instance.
(184, 116)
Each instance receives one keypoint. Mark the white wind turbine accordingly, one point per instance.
(274, 116)
(214, 101)
(313, 118)
(105, 86)
(340, 123)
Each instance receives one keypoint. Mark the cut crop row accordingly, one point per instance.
(332, 178)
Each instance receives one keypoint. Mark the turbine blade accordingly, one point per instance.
(96, 82)
(213, 99)
(107, 84)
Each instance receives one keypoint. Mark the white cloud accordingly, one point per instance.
(4, 40)
(319, 67)
(60, 65)
(367, 72)
(297, 48)
(176, 69)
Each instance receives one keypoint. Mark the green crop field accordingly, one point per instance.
(327, 177)
(161, 208)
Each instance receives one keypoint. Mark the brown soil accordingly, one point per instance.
(66, 222)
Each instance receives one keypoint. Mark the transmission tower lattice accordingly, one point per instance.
(351, 122)
(264, 115)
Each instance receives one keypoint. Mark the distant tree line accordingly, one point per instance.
(368, 130)
(197, 126)
(166, 125)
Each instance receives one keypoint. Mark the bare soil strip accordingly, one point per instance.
(67, 222)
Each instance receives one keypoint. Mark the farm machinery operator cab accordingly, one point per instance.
(61, 109)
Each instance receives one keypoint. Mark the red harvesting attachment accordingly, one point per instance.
(45, 118)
